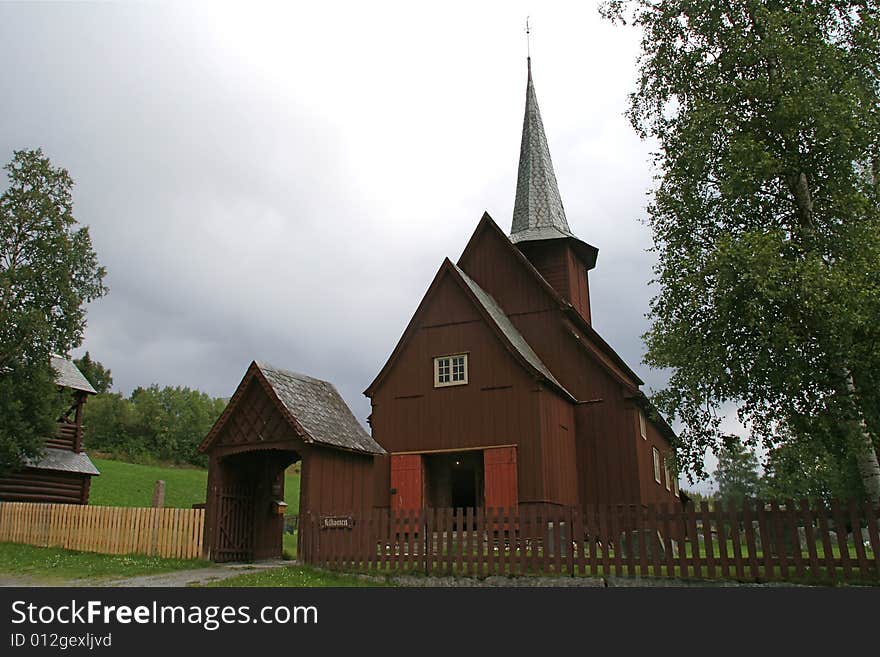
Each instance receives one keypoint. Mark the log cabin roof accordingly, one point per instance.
(67, 375)
(516, 339)
(319, 409)
(62, 460)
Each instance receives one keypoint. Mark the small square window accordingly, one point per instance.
(643, 429)
(657, 467)
(450, 370)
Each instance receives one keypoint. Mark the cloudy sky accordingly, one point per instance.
(281, 182)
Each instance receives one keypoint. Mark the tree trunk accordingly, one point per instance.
(869, 467)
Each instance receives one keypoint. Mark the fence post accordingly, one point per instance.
(159, 494)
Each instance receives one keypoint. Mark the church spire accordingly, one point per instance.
(537, 212)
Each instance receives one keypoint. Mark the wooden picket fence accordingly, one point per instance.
(173, 533)
(757, 542)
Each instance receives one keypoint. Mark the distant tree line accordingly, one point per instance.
(152, 424)
(793, 471)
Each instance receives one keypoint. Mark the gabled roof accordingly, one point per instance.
(314, 409)
(62, 460)
(494, 316)
(514, 337)
(595, 340)
(67, 375)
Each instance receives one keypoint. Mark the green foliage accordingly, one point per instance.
(29, 406)
(131, 484)
(48, 272)
(52, 564)
(737, 473)
(766, 219)
(100, 377)
(153, 424)
(813, 470)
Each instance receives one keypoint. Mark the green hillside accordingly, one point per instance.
(130, 484)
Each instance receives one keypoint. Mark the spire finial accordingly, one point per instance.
(528, 44)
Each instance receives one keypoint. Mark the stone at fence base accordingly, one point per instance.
(632, 540)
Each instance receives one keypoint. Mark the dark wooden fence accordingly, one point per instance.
(758, 542)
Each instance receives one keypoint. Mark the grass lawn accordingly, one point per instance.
(129, 484)
(298, 576)
(56, 564)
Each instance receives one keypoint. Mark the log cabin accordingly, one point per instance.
(500, 393)
(64, 471)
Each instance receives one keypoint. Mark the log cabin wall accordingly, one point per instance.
(45, 486)
(49, 484)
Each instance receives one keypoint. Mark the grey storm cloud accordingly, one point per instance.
(279, 183)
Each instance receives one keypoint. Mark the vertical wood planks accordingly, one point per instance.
(107, 530)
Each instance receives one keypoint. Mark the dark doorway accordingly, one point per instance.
(454, 480)
(249, 526)
(464, 486)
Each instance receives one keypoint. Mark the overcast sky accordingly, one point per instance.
(281, 182)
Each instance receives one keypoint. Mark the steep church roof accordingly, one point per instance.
(514, 337)
(538, 213)
(537, 210)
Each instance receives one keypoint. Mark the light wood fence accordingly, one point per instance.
(172, 533)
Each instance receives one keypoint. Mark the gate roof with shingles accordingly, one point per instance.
(313, 407)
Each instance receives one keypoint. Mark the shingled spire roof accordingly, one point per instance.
(537, 212)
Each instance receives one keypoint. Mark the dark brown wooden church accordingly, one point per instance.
(500, 393)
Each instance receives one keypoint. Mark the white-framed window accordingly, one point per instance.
(668, 475)
(643, 429)
(675, 484)
(657, 466)
(450, 370)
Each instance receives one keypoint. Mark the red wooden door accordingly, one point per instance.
(407, 480)
(499, 465)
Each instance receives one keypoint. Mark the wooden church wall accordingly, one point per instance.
(651, 491)
(492, 264)
(605, 436)
(334, 481)
(559, 450)
(498, 406)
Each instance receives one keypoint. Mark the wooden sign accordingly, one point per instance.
(337, 522)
